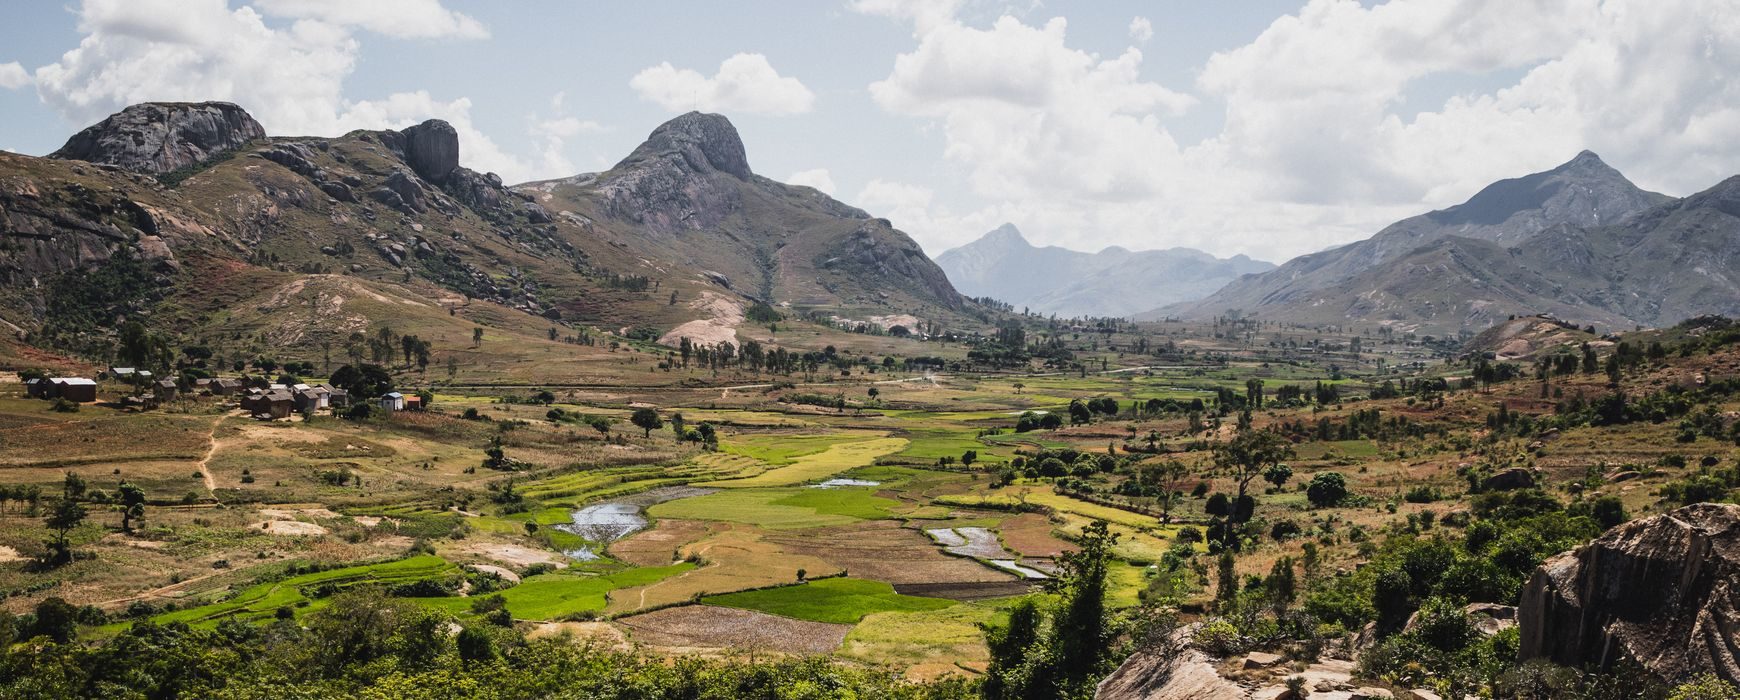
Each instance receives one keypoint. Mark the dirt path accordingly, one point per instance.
(210, 451)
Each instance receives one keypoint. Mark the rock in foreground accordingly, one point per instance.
(1660, 591)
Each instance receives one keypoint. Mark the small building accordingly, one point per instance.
(413, 402)
(273, 404)
(76, 389)
(307, 402)
(226, 387)
(392, 401)
(37, 388)
(165, 389)
(338, 398)
(123, 374)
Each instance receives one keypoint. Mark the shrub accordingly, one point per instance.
(1326, 489)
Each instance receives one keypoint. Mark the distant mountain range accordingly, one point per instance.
(1113, 282)
(1580, 242)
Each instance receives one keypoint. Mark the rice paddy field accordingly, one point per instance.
(885, 534)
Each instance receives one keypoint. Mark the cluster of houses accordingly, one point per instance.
(261, 399)
(275, 401)
(76, 389)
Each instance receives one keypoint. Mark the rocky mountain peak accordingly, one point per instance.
(1005, 235)
(432, 149)
(705, 142)
(159, 137)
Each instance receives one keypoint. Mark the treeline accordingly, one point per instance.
(368, 645)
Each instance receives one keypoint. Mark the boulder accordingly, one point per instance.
(408, 190)
(1661, 591)
(1371, 694)
(158, 137)
(432, 149)
(1509, 480)
(1258, 659)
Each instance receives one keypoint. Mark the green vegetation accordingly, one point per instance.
(837, 600)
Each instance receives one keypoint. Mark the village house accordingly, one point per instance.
(393, 401)
(76, 389)
(337, 398)
(413, 402)
(308, 401)
(226, 387)
(269, 404)
(37, 388)
(165, 389)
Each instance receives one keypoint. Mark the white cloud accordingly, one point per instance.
(13, 76)
(404, 19)
(745, 82)
(817, 178)
(924, 15)
(1327, 132)
(1141, 29)
(289, 77)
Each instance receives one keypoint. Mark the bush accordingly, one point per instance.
(1326, 489)
(1219, 637)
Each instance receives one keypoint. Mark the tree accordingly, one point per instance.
(647, 419)
(57, 619)
(873, 393)
(1167, 475)
(1250, 454)
(362, 381)
(678, 427)
(1009, 675)
(1278, 474)
(477, 335)
(1326, 489)
(1079, 412)
(132, 505)
(66, 515)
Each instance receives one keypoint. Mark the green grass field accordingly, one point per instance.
(556, 595)
(262, 601)
(782, 449)
(836, 600)
(821, 465)
(780, 509)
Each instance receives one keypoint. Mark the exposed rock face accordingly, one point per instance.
(875, 249)
(432, 149)
(158, 137)
(666, 183)
(1662, 591)
(705, 142)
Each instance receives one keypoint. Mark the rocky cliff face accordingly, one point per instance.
(1662, 591)
(159, 137)
(666, 184)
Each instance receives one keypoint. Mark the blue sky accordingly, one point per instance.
(1259, 127)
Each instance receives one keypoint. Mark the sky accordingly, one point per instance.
(1261, 127)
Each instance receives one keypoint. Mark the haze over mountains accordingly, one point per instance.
(1114, 282)
(1579, 241)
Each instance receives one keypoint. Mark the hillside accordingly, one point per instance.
(1003, 265)
(204, 212)
(1582, 192)
(1656, 268)
(685, 206)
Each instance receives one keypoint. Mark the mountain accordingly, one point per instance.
(161, 137)
(1113, 282)
(1655, 267)
(1583, 191)
(687, 199)
(178, 213)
